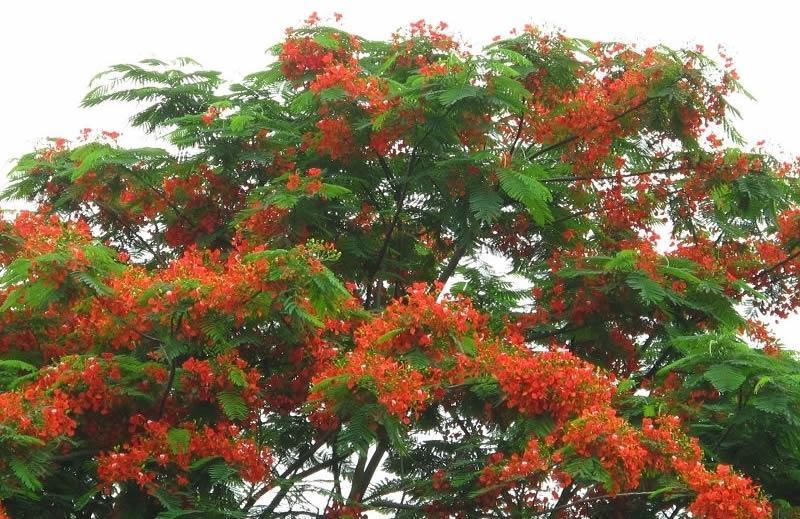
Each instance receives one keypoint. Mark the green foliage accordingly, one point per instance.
(524, 187)
(172, 92)
(233, 405)
(178, 440)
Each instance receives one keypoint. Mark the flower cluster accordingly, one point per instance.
(789, 226)
(723, 494)
(262, 223)
(720, 493)
(74, 393)
(554, 382)
(437, 329)
(372, 92)
(310, 185)
(37, 239)
(335, 138)
(199, 280)
(160, 450)
(420, 321)
(205, 379)
(302, 55)
(600, 433)
(502, 472)
(399, 388)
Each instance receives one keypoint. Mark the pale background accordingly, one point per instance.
(49, 50)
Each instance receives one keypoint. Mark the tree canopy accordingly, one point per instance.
(286, 310)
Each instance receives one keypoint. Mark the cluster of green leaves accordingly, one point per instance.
(754, 422)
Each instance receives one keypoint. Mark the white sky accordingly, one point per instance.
(49, 50)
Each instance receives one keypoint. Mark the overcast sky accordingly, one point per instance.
(49, 50)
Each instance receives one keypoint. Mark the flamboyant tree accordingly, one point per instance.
(284, 312)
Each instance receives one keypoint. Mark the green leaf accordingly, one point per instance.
(237, 377)
(526, 189)
(396, 432)
(588, 469)
(17, 365)
(21, 439)
(623, 261)
(417, 359)
(326, 41)
(302, 102)
(178, 440)
(485, 204)
(725, 378)
(503, 69)
(24, 474)
(513, 56)
(421, 250)
(202, 462)
(88, 157)
(357, 433)
(11, 299)
(233, 405)
(86, 498)
(486, 388)
(91, 281)
(16, 271)
(332, 94)
(679, 273)
(239, 122)
(333, 191)
(220, 472)
(453, 95)
(570, 272)
(174, 513)
(511, 87)
(771, 403)
(173, 348)
(467, 345)
(389, 335)
(651, 292)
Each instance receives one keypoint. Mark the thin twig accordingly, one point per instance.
(574, 137)
(611, 177)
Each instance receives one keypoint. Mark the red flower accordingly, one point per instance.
(313, 186)
(209, 117)
(293, 182)
(335, 138)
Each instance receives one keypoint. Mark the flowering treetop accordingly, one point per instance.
(206, 328)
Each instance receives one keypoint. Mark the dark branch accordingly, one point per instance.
(574, 137)
(361, 483)
(778, 265)
(611, 177)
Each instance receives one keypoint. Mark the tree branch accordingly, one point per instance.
(611, 177)
(382, 503)
(595, 498)
(286, 486)
(778, 265)
(167, 389)
(518, 135)
(566, 494)
(400, 201)
(132, 234)
(573, 137)
(452, 263)
(361, 483)
(386, 169)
